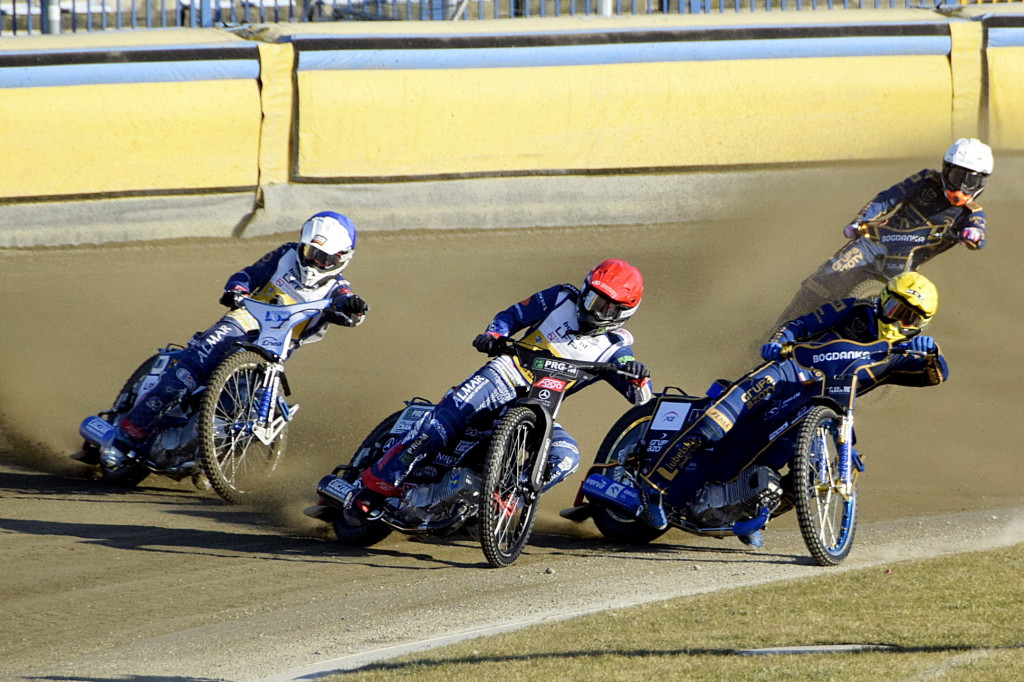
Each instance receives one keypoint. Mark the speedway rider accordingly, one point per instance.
(568, 322)
(307, 270)
(943, 201)
(906, 304)
(938, 198)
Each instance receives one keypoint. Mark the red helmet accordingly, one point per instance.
(611, 293)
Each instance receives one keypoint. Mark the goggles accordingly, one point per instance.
(960, 178)
(906, 316)
(601, 308)
(312, 256)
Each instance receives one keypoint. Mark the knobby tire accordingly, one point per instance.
(827, 520)
(508, 509)
(370, 450)
(236, 462)
(618, 448)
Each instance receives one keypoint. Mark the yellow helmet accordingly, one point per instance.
(908, 302)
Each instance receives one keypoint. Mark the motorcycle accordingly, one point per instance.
(862, 266)
(228, 434)
(800, 456)
(495, 491)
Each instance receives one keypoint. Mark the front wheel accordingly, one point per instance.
(828, 520)
(370, 450)
(238, 459)
(618, 459)
(508, 507)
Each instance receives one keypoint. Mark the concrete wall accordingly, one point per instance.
(170, 133)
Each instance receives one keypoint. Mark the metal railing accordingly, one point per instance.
(21, 17)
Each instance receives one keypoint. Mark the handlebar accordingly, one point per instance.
(787, 349)
(508, 346)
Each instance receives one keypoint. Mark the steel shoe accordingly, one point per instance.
(651, 510)
(754, 540)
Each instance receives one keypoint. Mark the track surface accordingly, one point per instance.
(165, 582)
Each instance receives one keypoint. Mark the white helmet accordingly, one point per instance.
(971, 154)
(327, 243)
(965, 170)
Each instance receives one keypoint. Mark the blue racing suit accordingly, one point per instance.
(551, 316)
(778, 382)
(919, 200)
(273, 278)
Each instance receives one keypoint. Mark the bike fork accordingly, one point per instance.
(266, 428)
(846, 455)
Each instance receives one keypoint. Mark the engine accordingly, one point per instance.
(723, 504)
(450, 499)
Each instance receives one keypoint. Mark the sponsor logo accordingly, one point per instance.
(848, 261)
(412, 450)
(657, 444)
(670, 417)
(340, 488)
(719, 418)
(549, 365)
(463, 447)
(318, 240)
(840, 355)
(776, 432)
(551, 383)
(447, 461)
(469, 389)
(912, 238)
(565, 445)
(759, 391)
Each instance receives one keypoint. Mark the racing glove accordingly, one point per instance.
(971, 236)
(232, 298)
(771, 351)
(487, 343)
(850, 231)
(354, 305)
(637, 370)
(921, 344)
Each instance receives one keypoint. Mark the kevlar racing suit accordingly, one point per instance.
(915, 223)
(551, 316)
(919, 200)
(274, 278)
(779, 383)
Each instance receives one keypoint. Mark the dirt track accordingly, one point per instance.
(163, 580)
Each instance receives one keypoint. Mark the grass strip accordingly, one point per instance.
(959, 617)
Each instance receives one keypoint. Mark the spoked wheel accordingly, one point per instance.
(509, 508)
(828, 520)
(237, 461)
(133, 471)
(370, 450)
(617, 453)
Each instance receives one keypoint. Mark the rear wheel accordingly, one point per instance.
(866, 290)
(828, 520)
(132, 472)
(509, 508)
(236, 460)
(617, 458)
(370, 450)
